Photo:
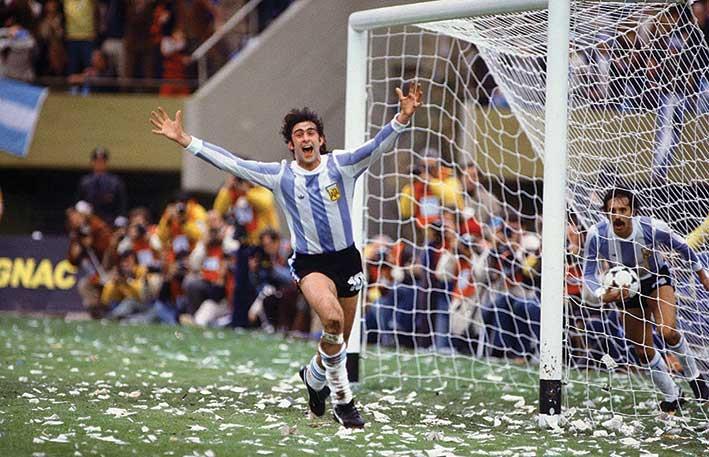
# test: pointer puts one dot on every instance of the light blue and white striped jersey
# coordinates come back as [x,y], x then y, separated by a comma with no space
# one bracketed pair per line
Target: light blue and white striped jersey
[640,251]
[316,202]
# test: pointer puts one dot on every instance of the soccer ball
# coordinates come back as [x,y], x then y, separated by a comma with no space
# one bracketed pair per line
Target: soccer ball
[622,276]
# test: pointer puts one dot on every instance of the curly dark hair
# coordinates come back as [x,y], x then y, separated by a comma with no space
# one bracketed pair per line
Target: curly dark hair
[620,192]
[295,116]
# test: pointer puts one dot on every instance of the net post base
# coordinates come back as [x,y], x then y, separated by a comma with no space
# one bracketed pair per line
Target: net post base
[550,403]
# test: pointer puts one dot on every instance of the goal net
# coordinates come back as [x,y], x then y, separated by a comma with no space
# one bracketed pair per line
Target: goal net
[452,215]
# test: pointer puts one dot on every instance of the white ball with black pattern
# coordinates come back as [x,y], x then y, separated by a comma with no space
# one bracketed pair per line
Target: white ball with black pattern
[620,277]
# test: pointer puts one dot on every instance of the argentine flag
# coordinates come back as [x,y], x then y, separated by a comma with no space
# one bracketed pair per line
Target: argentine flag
[20,105]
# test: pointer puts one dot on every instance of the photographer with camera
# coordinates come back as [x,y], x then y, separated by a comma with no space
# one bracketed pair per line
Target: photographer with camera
[208,263]
[89,241]
[141,238]
[126,292]
[277,304]
[250,208]
[181,226]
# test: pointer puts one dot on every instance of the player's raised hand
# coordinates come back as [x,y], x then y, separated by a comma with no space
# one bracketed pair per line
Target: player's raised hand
[409,102]
[169,128]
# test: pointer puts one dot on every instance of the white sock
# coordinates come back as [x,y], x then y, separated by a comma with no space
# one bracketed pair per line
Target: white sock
[660,375]
[336,374]
[315,374]
[691,371]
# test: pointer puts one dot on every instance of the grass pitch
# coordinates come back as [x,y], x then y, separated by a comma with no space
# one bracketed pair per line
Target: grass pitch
[91,388]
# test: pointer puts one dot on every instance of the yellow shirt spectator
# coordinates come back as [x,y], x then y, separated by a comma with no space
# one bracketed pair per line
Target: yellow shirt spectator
[424,198]
[119,289]
[261,201]
[80,17]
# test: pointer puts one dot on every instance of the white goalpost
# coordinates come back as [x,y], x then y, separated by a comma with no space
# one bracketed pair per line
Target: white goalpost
[472,228]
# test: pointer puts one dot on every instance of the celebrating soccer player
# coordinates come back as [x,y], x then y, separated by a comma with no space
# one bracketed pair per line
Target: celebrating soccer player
[632,240]
[315,192]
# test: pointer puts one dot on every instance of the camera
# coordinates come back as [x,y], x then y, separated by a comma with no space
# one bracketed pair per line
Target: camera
[84,230]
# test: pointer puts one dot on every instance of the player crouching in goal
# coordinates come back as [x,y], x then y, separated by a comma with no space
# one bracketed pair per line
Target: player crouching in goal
[632,240]
[315,191]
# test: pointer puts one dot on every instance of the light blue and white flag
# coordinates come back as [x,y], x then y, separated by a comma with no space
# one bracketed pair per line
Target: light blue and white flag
[20,105]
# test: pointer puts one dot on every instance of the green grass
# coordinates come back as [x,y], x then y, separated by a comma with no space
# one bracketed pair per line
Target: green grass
[89,388]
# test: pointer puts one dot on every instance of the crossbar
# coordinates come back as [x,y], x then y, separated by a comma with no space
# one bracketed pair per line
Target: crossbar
[441,10]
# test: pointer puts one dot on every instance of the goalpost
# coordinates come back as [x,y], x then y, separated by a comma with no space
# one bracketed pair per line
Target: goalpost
[509,87]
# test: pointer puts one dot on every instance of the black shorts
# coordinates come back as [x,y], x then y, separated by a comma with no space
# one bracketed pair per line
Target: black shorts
[647,287]
[343,267]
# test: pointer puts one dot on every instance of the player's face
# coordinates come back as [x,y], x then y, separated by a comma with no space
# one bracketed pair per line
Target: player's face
[620,214]
[305,144]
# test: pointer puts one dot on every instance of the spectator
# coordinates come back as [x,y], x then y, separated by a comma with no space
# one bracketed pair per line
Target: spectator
[17,50]
[271,278]
[120,229]
[201,21]
[52,55]
[163,23]
[126,293]
[430,288]
[82,21]
[392,316]
[181,226]
[431,191]
[139,60]
[173,48]
[208,263]
[142,239]
[103,190]
[89,240]
[458,270]
[112,31]
[90,79]
[479,203]
[250,208]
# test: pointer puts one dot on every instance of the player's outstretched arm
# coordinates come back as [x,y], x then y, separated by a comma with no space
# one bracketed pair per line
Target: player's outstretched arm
[264,174]
[169,128]
[354,162]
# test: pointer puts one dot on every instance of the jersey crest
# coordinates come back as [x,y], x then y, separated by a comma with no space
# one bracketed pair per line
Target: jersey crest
[333,192]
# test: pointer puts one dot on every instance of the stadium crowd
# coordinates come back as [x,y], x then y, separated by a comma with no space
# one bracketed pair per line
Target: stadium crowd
[226,266]
[90,43]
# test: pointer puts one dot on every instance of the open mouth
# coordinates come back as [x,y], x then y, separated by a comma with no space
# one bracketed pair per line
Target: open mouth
[618,223]
[307,149]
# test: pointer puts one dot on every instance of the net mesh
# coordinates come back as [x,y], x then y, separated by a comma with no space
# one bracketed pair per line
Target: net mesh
[453,214]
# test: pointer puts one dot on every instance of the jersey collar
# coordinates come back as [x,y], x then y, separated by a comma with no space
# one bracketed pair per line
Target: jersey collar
[302,171]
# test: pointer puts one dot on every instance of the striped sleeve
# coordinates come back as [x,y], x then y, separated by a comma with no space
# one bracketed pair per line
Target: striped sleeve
[265,174]
[590,264]
[354,163]
[664,235]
